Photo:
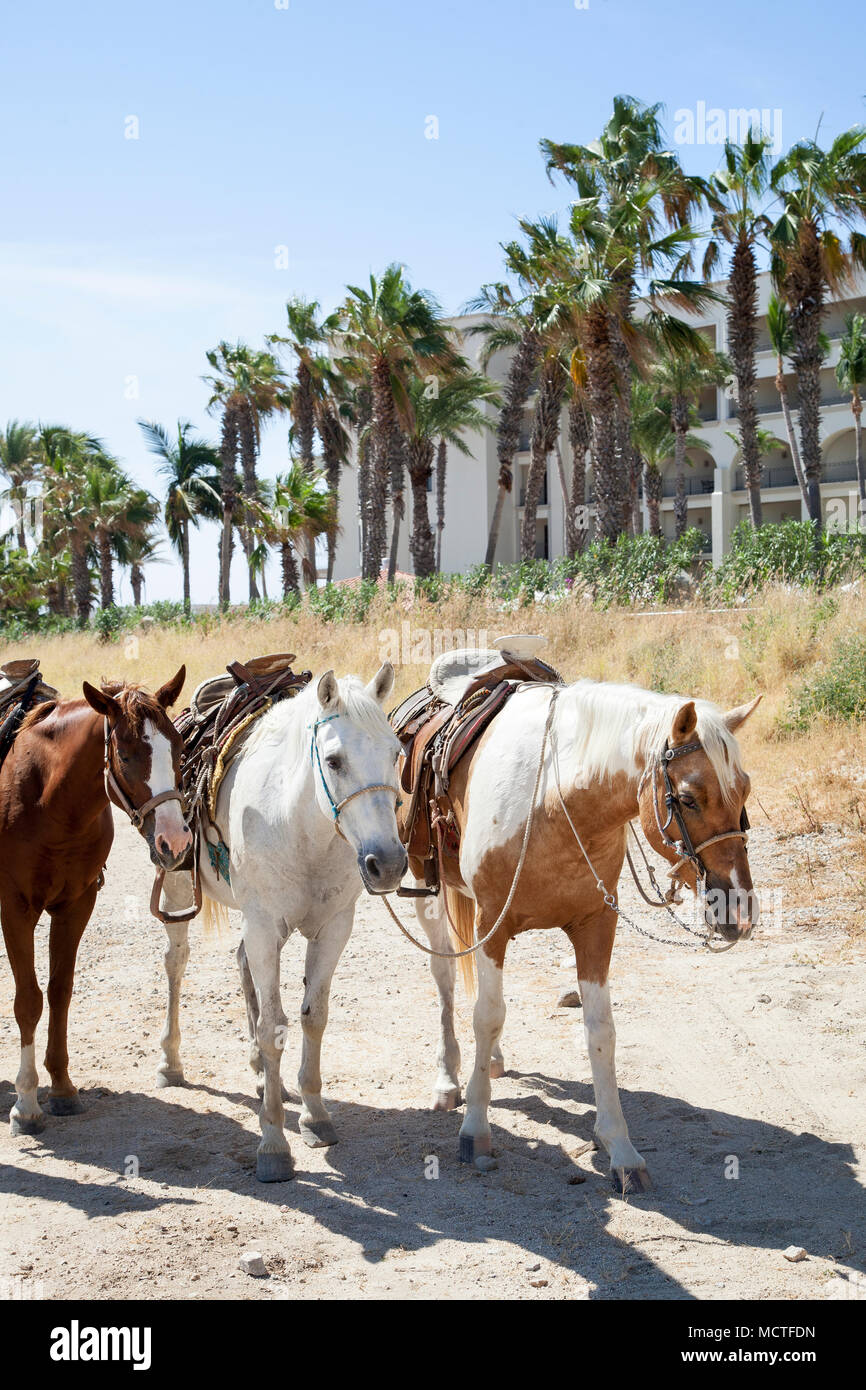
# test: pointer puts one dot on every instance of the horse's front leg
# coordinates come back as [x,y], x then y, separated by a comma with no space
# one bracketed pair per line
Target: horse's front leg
[252,1007]
[67,928]
[488,1018]
[170,1070]
[263,942]
[26,1116]
[431,916]
[592,946]
[321,960]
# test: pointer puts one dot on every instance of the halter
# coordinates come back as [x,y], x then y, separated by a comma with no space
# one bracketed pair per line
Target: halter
[137,814]
[337,806]
[688,852]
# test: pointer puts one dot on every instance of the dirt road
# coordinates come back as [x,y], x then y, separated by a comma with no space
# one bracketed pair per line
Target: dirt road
[752,1063]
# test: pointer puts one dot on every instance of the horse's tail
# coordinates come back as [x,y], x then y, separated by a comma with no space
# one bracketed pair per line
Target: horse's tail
[214,918]
[460,912]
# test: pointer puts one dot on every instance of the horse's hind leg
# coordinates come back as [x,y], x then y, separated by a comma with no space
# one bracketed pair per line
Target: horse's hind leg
[592,947]
[26,1116]
[323,952]
[446,1088]
[488,1018]
[170,1070]
[67,928]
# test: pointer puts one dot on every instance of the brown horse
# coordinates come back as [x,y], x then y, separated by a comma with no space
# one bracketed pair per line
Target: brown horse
[543,803]
[68,760]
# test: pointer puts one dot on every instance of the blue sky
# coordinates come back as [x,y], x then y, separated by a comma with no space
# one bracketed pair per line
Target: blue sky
[303,127]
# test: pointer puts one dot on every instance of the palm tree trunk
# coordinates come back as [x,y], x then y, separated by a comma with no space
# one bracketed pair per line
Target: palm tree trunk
[652,483]
[80,575]
[742,337]
[545,432]
[304,421]
[791,432]
[857,411]
[136,579]
[520,375]
[228,464]
[441,465]
[579,439]
[106,569]
[382,434]
[680,421]
[420,470]
[804,291]
[601,384]
[184,560]
[289,565]
[398,501]
[249,446]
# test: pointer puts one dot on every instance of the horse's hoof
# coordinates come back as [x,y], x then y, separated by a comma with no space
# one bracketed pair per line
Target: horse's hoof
[497,1068]
[447,1100]
[627,1182]
[170,1077]
[486,1163]
[276,1167]
[317,1134]
[21,1124]
[64,1105]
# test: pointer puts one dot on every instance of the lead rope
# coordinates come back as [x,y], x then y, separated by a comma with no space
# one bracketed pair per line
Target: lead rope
[470,950]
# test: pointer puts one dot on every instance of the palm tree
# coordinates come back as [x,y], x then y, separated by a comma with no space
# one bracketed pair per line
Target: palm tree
[820,191]
[68,521]
[678,380]
[580,441]
[302,510]
[737,191]
[782,343]
[118,510]
[143,549]
[19,460]
[247,386]
[444,415]
[388,332]
[851,376]
[305,336]
[191,469]
[441,467]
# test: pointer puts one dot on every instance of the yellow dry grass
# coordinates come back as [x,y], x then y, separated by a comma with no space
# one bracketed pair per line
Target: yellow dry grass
[802,782]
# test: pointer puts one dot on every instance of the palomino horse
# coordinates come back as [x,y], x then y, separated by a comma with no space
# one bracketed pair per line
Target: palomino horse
[306,811]
[69,758]
[589,763]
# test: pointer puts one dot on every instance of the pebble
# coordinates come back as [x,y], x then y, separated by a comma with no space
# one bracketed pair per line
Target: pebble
[794,1253]
[251,1263]
[538,1283]
[764,999]
[569,999]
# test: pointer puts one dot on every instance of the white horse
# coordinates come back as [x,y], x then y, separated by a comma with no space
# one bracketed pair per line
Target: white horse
[307,811]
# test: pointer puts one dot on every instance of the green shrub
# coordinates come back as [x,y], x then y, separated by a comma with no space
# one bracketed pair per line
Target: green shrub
[837,690]
[786,552]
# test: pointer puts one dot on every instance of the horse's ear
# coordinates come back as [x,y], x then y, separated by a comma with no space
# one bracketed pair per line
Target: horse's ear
[684,725]
[382,684]
[168,693]
[103,703]
[328,692]
[735,717]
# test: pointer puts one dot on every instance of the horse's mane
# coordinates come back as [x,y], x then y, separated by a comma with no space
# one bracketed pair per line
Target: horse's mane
[619,727]
[137,704]
[288,722]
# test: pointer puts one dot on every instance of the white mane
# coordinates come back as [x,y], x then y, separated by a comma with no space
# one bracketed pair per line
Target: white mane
[289,724]
[617,728]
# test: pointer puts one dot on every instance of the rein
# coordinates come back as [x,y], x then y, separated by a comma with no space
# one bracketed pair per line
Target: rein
[337,806]
[137,814]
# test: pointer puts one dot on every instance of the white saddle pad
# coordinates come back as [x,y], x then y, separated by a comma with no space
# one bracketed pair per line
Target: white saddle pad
[452,673]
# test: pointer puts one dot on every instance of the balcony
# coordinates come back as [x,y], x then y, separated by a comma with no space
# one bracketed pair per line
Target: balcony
[695,487]
[784,475]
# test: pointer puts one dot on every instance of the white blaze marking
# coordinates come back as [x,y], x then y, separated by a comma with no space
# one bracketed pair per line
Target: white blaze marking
[168,819]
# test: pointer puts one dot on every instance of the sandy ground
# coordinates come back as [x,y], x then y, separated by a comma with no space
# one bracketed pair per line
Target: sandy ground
[756,1055]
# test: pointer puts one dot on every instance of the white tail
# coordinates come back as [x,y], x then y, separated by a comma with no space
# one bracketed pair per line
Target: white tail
[214,918]
[461,911]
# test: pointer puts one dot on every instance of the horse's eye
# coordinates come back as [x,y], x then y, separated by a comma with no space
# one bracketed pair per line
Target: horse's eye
[334,762]
[689,803]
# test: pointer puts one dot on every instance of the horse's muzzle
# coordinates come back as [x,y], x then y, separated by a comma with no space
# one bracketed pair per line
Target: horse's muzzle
[383,871]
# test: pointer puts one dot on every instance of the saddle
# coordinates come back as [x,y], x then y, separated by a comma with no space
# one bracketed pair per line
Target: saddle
[21,688]
[437,734]
[219,718]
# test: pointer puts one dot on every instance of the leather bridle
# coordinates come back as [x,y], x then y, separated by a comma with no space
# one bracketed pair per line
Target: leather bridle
[116,793]
[688,852]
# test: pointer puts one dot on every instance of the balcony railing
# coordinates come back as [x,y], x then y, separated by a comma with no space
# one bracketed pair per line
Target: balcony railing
[784,476]
[695,487]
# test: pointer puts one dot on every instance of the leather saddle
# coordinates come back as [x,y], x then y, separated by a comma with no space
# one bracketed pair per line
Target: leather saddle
[21,689]
[435,736]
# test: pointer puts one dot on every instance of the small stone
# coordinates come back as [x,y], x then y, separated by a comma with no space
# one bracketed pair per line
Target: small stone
[252,1263]
[532,1268]
[764,999]
[576,1178]
[538,1283]
[794,1253]
[569,999]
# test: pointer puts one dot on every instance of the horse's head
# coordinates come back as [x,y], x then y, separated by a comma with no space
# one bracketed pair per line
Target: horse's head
[354,752]
[692,800]
[142,762]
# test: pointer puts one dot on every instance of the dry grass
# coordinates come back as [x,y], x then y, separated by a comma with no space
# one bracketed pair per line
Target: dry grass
[802,782]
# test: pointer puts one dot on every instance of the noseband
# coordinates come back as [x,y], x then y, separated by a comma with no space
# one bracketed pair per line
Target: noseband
[337,806]
[115,792]
[688,852]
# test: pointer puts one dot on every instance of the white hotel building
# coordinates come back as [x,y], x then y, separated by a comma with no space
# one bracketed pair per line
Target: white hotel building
[717,499]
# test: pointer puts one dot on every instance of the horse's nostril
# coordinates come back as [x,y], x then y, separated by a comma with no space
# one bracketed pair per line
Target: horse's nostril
[371,864]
